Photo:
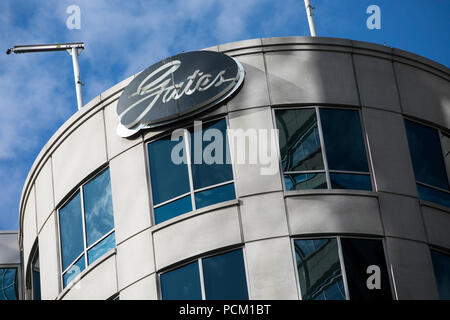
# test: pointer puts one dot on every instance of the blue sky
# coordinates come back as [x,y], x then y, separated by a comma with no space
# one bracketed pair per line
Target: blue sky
[123,37]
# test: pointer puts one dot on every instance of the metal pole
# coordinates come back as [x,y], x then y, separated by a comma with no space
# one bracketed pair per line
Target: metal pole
[312,26]
[76,74]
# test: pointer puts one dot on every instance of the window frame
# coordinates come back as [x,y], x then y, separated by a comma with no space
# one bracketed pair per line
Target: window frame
[440,132]
[341,260]
[326,169]
[70,197]
[199,260]
[191,193]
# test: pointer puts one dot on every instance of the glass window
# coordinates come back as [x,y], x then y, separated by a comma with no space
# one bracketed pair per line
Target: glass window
[350,181]
[339,162]
[36,277]
[427,158]
[320,273]
[214,195]
[98,207]
[8,284]
[302,181]
[182,283]
[224,277]
[441,266]
[319,269]
[86,225]
[343,139]
[206,179]
[299,140]
[170,179]
[219,277]
[204,174]
[71,231]
[365,267]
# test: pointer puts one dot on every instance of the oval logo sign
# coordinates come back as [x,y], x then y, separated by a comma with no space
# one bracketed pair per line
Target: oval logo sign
[175,87]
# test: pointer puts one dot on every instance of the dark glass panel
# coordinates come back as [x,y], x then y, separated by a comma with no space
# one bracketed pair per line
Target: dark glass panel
[169,180]
[441,266]
[343,140]
[299,140]
[8,284]
[304,181]
[350,181]
[224,277]
[358,255]
[173,209]
[101,248]
[71,231]
[182,283]
[319,269]
[214,195]
[433,195]
[36,277]
[426,155]
[98,208]
[217,169]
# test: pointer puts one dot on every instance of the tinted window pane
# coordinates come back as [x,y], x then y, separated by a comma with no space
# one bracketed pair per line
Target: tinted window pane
[304,181]
[101,248]
[343,139]
[98,208]
[71,230]
[214,195]
[426,155]
[169,180]
[362,283]
[36,276]
[319,269]
[441,266]
[8,284]
[350,181]
[173,209]
[433,195]
[299,140]
[210,164]
[224,277]
[182,283]
[74,271]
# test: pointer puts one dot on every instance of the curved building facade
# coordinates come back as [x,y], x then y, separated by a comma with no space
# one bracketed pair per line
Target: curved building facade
[345,196]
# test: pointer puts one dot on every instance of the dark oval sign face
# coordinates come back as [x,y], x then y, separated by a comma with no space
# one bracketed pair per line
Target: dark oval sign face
[175,87]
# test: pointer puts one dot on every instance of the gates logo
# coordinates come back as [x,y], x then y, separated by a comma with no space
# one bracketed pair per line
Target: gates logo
[173,88]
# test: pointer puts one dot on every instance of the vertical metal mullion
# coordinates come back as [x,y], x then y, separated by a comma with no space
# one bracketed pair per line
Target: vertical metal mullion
[231,153]
[202,282]
[324,151]
[189,164]
[441,138]
[342,264]
[366,148]
[84,226]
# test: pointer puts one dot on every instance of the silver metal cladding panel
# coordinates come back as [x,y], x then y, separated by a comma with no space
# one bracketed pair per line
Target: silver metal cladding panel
[311,77]
[332,213]
[376,82]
